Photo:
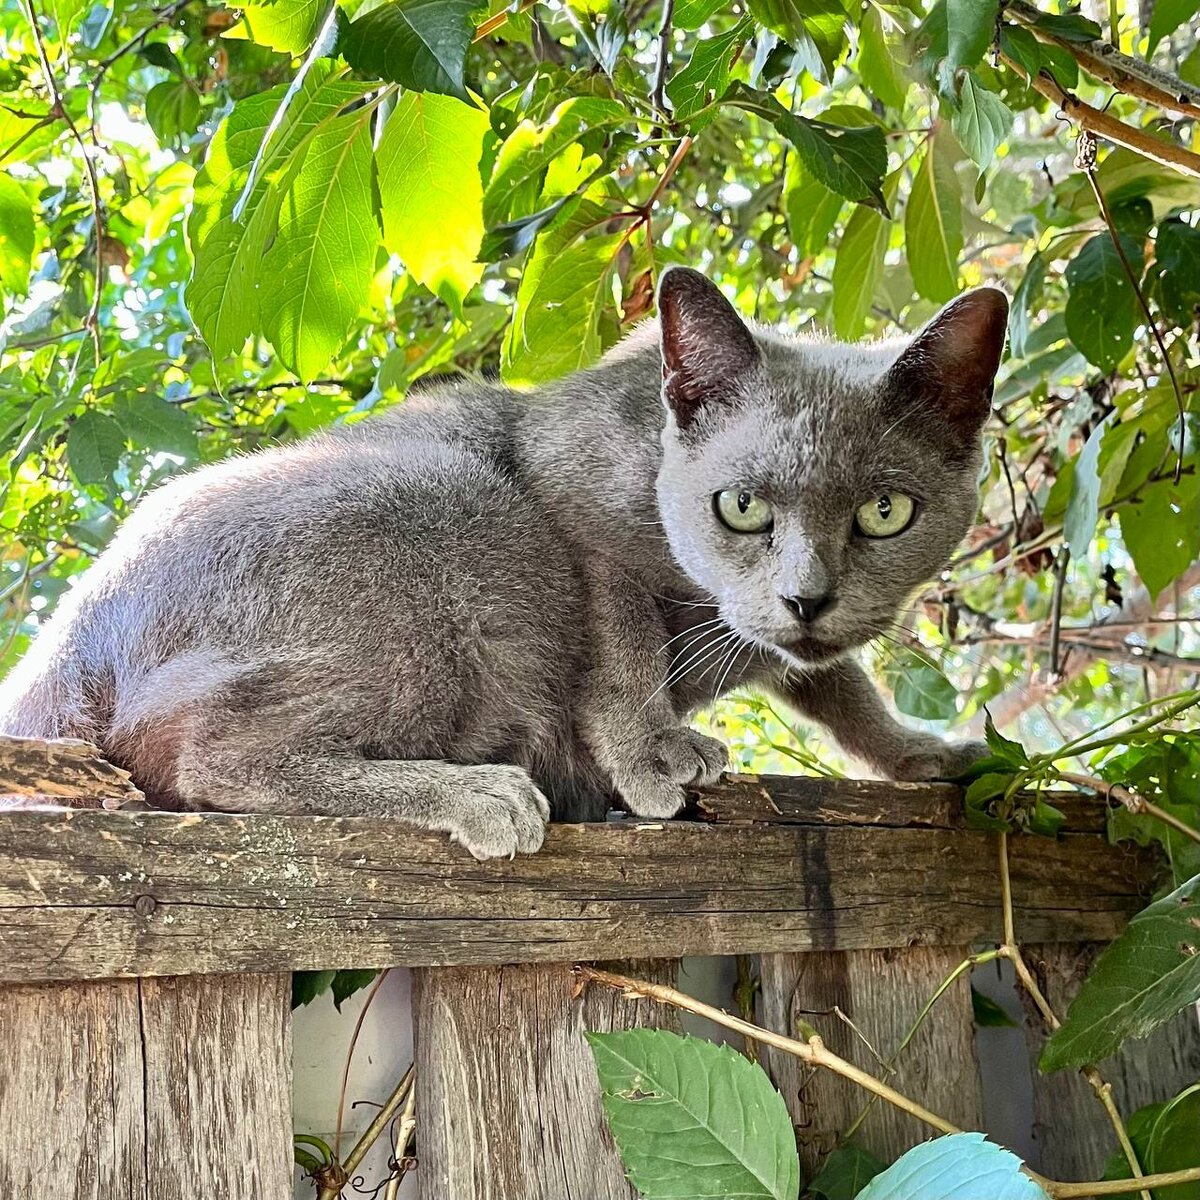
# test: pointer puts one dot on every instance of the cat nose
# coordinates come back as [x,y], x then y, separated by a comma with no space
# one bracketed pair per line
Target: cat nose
[808,608]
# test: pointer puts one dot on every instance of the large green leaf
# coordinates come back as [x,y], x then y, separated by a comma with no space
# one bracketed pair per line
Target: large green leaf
[921,690]
[566,282]
[1150,973]
[17,235]
[1177,270]
[981,120]
[431,193]
[1161,530]
[694,1120]
[531,148]
[963,1166]
[1167,16]
[691,14]
[1102,308]
[1083,507]
[705,76]
[819,24]
[288,26]
[849,161]
[845,1173]
[172,110]
[811,208]
[151,423]
[933,236]
[879,63]
[857,269]
[421,44]
[321,262]
[94,447]
[970,27]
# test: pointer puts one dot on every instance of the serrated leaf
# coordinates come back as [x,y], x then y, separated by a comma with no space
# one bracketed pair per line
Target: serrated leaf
[1102,309]
[933,236]
[1150,973]
[970,27]
[1083,507]
[345,983]
[308,985]
[153,424]
[18,235]
[288,26]
[845,1173]
[921,690]
[691,14]
[857,270]
[963,1166]
[705,75]
[981,121]
[556,324]
[1161,530]
[430,191]
[95,444]
[1001,747]
[879,62]
[321,262]
[421,44]
[531,148]
[693,1119]
[848,160]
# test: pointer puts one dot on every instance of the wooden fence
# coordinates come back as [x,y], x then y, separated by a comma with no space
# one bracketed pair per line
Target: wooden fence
[145,1031]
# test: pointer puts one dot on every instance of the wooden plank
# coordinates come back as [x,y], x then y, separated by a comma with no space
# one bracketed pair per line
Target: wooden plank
[1073,1137]
[71,1099]
[62,769]
[88,894]
[170,1089]
[506,1088]
[218,1059]
[881,992]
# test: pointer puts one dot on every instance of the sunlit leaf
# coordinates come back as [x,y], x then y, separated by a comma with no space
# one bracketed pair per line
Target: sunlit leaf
[963,1166]
[933,236]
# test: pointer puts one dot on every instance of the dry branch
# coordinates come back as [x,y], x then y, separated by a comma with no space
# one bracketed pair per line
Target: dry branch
[59,770]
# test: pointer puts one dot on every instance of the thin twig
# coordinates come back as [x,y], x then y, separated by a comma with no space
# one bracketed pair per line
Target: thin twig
[500,19]
[658,95]
[1131,800]
[1056,605]
[358,1024]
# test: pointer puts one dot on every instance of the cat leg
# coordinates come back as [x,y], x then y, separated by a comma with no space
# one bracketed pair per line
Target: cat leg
[844,700]
[491,810]
[627,718]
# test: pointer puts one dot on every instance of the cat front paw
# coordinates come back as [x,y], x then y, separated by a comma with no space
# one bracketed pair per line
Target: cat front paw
[654,784]
[504,814]
[927,757]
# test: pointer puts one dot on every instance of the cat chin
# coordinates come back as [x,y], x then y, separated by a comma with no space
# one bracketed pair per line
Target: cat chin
[810,652]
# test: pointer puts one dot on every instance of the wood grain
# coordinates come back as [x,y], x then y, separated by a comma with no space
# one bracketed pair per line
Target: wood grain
[1073,1136]
[508,1103]
[62,771]
[94,895]
[171,1089]
[881,992]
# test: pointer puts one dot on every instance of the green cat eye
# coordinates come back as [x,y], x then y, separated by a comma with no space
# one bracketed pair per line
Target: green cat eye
[885,516]
[742,511]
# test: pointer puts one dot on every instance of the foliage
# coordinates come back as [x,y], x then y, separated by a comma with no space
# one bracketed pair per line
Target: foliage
[962,1166]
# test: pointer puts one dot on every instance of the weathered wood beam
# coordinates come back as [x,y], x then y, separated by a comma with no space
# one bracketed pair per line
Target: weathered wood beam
[91,894]
[58,770]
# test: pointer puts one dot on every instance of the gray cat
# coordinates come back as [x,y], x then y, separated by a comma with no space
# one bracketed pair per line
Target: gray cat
[482,607]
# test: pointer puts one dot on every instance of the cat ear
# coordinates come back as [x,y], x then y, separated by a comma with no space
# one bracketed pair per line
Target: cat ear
[953,361]
[706,346]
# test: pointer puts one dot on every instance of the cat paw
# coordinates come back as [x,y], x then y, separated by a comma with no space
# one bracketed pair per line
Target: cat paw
[675,759]
[931,758]
[505,813]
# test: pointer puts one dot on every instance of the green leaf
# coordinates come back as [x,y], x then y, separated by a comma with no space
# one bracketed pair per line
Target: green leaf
[1083,507]
[151,423]
[1005,749]
[1161,530]
[1102,309]
[430,191]
[1070,26]
[879,62]
[857,269]
[962,1166]
[933,235]
[1174,1143]
[979,796]
[988,1014]
[691,14]
[705,76]
[849,161]
[556,324]
[981,121]
[811,208]
[172,111]
[970,27]
[18,236]
[1028,295]
[531,148]
[308,985]
[819,24]
[323,256]
[921,690]
[65,14]
[1167,16]
[345,983]
[1032,56]
[693,1119]
[421,44]
[95,444]
[1150,973]
[845,1173]
[288,26]
[1177,270]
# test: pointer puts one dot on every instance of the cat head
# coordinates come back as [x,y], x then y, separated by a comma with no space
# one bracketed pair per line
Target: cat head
[810,487]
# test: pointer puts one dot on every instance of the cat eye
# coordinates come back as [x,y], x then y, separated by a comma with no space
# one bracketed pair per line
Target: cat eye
[742,511]
[885,516]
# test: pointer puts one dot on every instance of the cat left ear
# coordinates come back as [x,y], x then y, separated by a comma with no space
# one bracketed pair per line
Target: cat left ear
[953,361]
[706,346]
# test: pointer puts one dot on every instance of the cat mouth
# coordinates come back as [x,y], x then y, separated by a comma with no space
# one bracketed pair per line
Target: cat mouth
[810,649]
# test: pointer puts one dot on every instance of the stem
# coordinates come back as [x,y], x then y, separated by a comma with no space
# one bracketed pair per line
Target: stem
[358,1024]
[371,1134]
[1131,800]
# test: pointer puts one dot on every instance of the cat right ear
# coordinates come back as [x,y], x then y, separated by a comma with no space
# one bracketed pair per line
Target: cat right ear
[706,347]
